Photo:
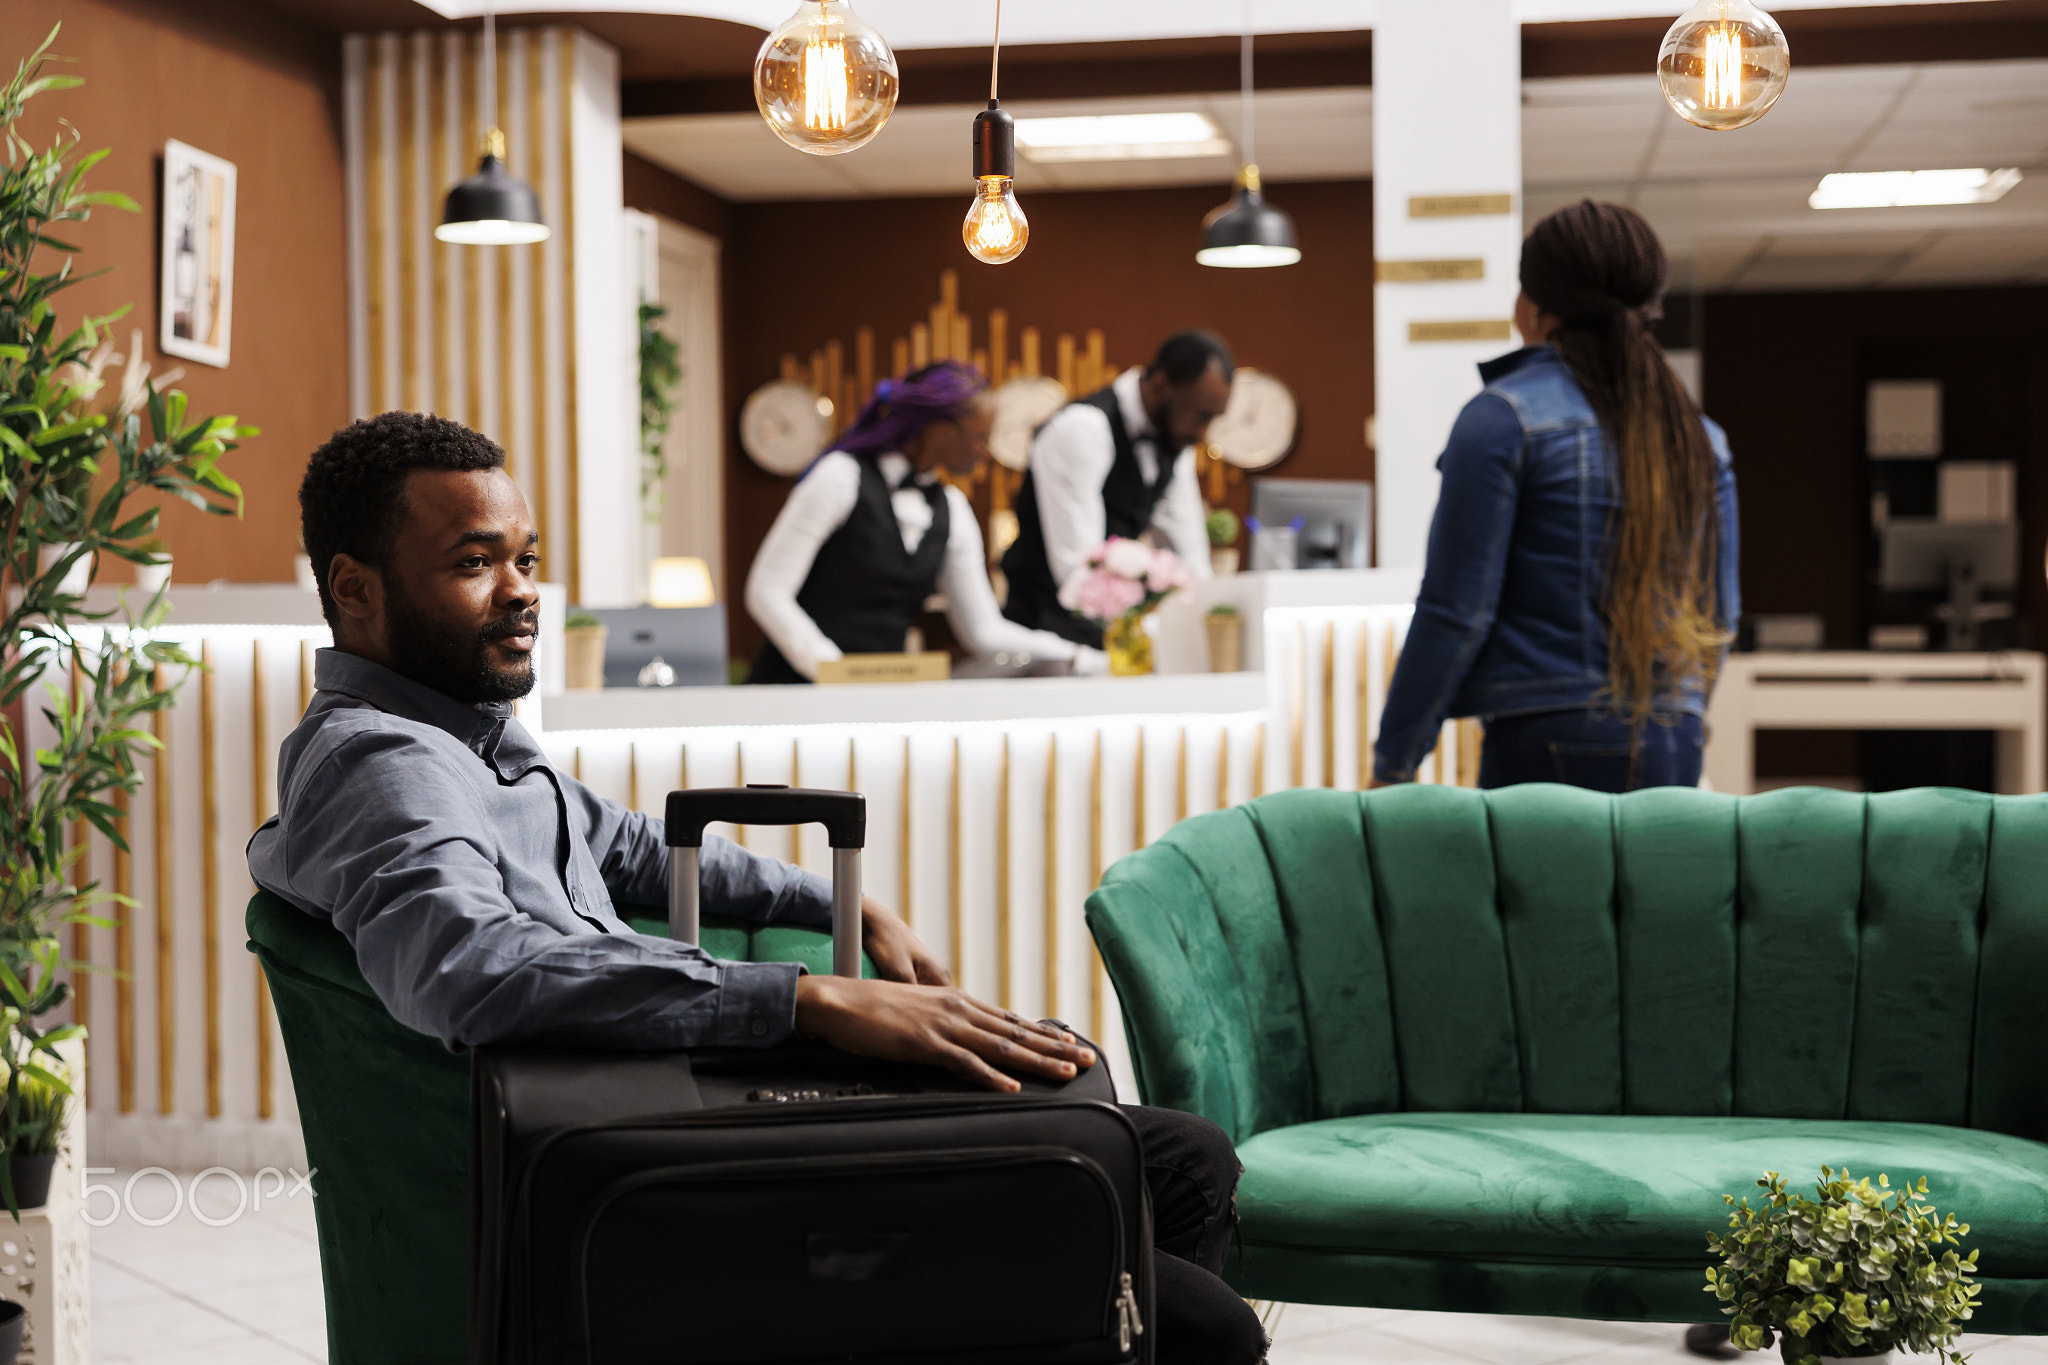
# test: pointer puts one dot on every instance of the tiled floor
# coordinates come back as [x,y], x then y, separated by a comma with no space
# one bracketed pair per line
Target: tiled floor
[248,1293]
[186,1293]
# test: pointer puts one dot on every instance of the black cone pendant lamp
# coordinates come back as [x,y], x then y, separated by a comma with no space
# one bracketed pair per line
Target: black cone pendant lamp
[492,207]
[1247,232]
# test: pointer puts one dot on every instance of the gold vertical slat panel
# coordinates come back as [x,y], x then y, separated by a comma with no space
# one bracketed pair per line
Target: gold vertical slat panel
[440,143]
[1094,881]
[1223,769]
[1363,701]
[404,149]
[209,873]
[957,872]
[1329,703]
[124,961]
[163,908]
[1180,777]
[1138,839]
[376,137]
[260,796]
[1052,874]
[1297,679]
[1003,877]
[903,839]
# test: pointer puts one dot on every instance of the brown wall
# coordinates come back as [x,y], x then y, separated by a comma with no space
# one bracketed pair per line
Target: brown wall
[800,274]
[236,80]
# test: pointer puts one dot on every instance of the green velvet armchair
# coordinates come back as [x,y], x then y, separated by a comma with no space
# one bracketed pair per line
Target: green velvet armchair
[386,1117]
[1505,1051]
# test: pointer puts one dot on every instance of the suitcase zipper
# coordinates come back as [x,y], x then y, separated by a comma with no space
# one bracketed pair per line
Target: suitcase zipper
[1128,1323]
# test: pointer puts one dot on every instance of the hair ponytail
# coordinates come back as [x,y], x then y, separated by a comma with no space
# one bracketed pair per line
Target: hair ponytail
[1601,271]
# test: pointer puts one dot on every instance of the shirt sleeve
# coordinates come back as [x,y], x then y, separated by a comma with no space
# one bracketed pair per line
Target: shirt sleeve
[1070,460]
[819,505]
[1461,582]
[403,856]
[971,603]
[1180,518]
[1730,549]
[631,851]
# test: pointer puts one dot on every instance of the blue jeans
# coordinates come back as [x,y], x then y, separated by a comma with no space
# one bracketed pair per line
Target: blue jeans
[1584,748]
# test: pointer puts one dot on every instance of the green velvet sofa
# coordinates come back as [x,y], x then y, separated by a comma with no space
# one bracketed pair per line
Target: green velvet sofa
[386,1117]
[1504,1051]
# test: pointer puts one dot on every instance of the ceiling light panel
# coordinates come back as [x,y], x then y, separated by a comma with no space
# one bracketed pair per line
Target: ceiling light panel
[1121,137]
[1905,189]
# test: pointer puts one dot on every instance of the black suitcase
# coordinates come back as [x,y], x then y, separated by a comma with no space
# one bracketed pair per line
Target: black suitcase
[797,1204]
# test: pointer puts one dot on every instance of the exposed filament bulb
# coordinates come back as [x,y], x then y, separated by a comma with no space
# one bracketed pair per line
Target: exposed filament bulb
[996,230]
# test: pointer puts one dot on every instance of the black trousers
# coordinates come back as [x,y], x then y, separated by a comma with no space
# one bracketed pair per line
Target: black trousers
[1191,1169]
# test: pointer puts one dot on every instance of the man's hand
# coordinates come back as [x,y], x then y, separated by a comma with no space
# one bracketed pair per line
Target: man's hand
[935,1025]
[899,954]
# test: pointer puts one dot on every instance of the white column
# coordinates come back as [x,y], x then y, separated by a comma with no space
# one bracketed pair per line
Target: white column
[607,341]
[1447,125]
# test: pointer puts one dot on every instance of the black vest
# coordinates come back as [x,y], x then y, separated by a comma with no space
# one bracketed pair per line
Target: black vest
[1127,506]
[864,589]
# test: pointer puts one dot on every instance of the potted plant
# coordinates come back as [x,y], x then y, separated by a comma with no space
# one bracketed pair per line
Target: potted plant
[42,1108]
[1851,1275]
[1226,638]
[1125,580]
[72,471]
[583,637]
[1223,527]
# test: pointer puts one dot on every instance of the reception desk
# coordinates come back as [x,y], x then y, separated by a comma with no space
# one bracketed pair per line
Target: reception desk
[993,806]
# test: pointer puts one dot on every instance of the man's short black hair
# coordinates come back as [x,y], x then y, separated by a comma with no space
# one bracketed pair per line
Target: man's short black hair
[352,498]
[1185,356]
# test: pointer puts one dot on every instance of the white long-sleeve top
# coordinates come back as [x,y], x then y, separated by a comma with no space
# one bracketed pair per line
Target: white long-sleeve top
[1071,457]
[820,505]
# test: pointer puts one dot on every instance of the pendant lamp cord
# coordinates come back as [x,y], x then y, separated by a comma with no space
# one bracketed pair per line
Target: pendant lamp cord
[489,91]
[1244,71]
[995,56]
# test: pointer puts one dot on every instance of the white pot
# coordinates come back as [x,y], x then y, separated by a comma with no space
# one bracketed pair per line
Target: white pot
[149,578]
[78,577]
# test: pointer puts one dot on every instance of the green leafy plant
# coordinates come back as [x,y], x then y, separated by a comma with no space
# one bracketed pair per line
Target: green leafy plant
[1223,609]
[69,470]
[661,370]
[42,1109]
[1856,1272]
[1223,527]
[580,620]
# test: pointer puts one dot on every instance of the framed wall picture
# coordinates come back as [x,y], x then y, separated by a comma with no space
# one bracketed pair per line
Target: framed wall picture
[198,272]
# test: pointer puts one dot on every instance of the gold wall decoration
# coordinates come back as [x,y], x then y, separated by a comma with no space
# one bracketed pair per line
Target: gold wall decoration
[1473,329]
[1460,205]
[1428,272]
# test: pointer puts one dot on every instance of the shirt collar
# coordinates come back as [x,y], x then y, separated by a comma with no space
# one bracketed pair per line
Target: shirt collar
[1137,421]
[1501,366]
[487,729]
[896,472]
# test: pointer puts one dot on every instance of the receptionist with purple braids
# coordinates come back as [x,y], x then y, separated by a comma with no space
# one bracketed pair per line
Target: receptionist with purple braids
[869,533]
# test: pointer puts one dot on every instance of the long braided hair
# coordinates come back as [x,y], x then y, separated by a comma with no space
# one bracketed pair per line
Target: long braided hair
[1601,271]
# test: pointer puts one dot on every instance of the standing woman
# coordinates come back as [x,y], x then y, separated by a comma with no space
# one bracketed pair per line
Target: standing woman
[1580,590]
[869,533]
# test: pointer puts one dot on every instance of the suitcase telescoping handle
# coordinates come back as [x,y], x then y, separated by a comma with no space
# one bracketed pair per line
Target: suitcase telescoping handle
[843,814]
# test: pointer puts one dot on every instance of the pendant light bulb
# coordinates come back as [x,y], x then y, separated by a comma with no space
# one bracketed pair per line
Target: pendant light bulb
[1723,64]
[825,81]
[996,230]
[1247,233]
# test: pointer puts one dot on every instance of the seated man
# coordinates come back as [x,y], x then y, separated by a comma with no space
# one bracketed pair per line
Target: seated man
[477,884]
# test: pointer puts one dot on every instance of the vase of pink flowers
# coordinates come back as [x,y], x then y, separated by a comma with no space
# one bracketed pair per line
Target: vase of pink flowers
[1124,580]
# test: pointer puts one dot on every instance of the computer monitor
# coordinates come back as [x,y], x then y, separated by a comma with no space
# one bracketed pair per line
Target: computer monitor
[1918,555]
[691,640]
[1335,516]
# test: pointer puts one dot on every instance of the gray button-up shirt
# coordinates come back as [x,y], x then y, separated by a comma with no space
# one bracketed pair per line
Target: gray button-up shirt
[477,883]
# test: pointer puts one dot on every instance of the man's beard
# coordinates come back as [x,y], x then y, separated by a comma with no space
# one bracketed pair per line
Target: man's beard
[449,661]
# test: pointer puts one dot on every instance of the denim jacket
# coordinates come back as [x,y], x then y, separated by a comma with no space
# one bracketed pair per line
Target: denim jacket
[1509,618]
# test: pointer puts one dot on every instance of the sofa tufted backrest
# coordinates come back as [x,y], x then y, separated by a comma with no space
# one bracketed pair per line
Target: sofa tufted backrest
[1804,954]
